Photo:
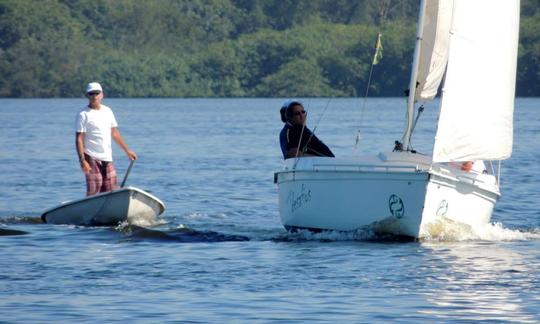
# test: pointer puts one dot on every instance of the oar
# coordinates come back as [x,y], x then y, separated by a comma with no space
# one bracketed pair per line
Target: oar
[127,173]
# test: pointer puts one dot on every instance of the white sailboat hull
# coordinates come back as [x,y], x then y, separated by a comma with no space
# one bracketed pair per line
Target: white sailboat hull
[404,196]
[111,208]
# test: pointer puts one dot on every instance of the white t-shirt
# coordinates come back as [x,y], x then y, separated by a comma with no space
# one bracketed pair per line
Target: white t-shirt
[96,124]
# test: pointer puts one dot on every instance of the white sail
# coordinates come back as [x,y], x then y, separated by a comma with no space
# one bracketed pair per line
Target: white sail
[434,52]
[476,119]
[430,56]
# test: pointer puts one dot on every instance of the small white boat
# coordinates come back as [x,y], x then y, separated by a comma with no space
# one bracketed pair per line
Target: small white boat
[407,193]
[108,209]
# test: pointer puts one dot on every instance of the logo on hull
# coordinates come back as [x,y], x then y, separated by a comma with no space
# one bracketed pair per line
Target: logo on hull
[443,208]
[297,201]
[397,208]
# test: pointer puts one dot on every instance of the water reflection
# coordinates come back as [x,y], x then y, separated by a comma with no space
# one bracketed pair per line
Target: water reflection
[482,281]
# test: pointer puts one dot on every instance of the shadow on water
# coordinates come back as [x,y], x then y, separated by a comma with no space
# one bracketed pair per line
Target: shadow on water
[8,232]
[181,235]
[338,236]
[132,232]
[4,231]
[21,220]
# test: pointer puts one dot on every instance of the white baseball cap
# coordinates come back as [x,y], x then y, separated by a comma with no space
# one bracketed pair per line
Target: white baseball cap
[93,86]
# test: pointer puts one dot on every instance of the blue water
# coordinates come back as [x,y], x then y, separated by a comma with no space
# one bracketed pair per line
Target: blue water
[221,253]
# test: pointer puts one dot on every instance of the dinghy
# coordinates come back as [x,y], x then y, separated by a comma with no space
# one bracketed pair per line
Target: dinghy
[472,44]
[129,204]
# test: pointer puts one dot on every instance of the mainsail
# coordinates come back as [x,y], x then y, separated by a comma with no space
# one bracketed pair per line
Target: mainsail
[476,118]
[434,48]
[430,56]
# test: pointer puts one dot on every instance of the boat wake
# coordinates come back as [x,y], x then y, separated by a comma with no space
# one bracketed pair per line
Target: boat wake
[447,230]
[147,222]
[443,230]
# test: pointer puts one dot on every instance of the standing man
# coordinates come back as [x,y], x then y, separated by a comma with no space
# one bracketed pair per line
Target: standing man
[94,128]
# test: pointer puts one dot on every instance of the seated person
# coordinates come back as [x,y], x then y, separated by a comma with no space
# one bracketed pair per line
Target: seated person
[476,166]
[295,138]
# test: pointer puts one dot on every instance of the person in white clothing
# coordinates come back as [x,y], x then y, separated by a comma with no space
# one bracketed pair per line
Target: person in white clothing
[95,126]
[477,166]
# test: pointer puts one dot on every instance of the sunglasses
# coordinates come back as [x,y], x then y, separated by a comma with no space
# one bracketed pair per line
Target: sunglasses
[301,112]
[93,93]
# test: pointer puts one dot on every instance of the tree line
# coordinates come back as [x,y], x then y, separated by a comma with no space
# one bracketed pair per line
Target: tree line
[220,48]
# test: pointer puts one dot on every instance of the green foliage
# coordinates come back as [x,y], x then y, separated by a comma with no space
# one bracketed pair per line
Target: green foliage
[225,48]
[528,78]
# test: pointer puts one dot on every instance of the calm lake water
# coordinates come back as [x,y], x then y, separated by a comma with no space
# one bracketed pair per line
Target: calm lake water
[221,253]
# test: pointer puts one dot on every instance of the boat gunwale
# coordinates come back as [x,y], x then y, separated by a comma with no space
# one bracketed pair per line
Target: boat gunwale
[412,169]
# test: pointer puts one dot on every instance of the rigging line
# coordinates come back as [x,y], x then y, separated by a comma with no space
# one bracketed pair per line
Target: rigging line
[304,148]
[420,111]
[318,122]
[377,55]
[324,111]
[362,110]
[499,172]
[300,140]
[493,170]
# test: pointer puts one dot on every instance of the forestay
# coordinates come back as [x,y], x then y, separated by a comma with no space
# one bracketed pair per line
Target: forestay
[476,120]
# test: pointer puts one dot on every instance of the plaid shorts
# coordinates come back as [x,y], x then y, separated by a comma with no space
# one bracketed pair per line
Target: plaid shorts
[102,177]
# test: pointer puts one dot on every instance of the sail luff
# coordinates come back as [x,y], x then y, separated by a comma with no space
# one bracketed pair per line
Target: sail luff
[414,73]
[434,53]
[476,117]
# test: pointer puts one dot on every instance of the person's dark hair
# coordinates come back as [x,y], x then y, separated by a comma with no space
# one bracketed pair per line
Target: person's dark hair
[289,111]
[282,113]
[286,112]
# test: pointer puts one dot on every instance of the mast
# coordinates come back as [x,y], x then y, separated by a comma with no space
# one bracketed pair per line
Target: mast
[406,139]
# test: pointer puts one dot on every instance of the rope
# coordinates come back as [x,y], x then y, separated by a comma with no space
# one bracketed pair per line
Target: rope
[304,149]
[317,124]
[362,110]
[383,11]
[300,140]
[420,111]
[499,173]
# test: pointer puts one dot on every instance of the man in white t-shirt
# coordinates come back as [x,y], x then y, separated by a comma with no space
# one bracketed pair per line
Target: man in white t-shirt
[95,126]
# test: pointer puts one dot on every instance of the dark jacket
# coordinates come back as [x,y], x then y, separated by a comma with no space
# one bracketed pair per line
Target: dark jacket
[310,144]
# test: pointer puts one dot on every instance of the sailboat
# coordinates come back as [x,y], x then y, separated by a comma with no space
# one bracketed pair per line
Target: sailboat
[472,46]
